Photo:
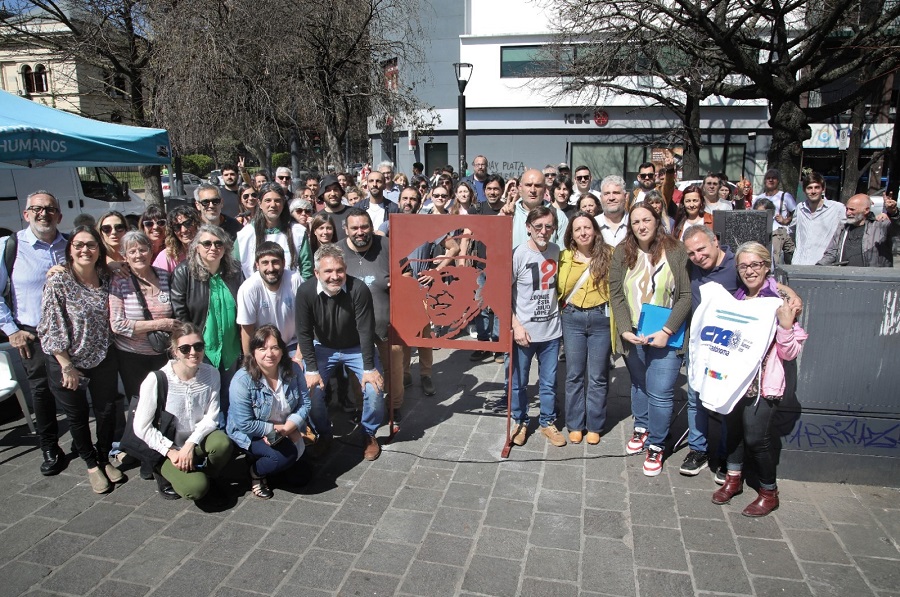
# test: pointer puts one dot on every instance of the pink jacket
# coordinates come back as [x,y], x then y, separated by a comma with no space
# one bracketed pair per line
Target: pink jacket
[786,347]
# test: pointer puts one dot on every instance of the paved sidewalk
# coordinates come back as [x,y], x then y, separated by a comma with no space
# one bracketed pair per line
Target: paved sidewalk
[439,514]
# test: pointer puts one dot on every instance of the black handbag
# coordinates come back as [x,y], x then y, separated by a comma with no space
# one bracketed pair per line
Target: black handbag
[159,340]
[134,446]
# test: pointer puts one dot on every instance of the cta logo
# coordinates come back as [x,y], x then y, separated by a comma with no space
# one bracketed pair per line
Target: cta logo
[726,339]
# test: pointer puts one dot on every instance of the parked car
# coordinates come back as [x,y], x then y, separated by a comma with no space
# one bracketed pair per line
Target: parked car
[190,181]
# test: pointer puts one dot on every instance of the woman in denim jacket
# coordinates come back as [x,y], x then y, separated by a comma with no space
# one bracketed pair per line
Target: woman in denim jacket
[269,408]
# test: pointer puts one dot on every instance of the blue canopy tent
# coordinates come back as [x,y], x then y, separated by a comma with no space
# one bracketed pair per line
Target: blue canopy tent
[36,136]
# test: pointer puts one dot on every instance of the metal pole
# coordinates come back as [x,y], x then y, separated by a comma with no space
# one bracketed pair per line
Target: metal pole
[461,111]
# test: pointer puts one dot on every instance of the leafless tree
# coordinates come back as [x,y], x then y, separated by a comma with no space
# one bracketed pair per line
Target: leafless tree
[786,52]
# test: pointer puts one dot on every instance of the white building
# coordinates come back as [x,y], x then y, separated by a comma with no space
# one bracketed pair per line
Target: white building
[516,124]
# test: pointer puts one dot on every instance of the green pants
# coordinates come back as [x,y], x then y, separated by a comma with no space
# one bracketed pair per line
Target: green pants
[216,448]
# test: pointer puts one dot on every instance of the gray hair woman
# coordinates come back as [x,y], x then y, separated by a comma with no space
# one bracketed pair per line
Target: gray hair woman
[130,290]
[204,292]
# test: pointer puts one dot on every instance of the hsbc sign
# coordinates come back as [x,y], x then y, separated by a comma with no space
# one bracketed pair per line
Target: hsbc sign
[598,117]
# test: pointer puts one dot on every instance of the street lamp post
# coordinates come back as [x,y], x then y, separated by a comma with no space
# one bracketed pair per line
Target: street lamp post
[463,74]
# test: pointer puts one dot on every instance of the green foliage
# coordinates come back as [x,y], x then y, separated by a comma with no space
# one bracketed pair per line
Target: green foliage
[197,163]
[280,159]
[227,150]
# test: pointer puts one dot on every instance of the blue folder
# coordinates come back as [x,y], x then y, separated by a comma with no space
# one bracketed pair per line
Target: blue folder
[653,319]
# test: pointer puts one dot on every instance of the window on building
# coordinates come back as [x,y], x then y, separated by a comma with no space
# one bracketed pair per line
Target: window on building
[533,61]
[35,80]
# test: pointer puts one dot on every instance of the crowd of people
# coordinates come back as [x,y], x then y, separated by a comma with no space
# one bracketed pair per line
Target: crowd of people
[227,318]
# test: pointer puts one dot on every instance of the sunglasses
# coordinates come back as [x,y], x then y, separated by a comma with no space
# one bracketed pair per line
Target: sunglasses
[107,228]
[304,210]
[208,202]
[152,223]
[283,177]
[187,224]
[436,196]
[248,195]
[585,177]
[646,176]
[185,349]
[206,244]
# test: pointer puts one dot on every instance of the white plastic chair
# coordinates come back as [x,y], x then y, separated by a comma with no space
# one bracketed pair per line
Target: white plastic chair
[9,386]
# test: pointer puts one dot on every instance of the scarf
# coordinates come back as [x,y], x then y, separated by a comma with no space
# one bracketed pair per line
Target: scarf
[220,334]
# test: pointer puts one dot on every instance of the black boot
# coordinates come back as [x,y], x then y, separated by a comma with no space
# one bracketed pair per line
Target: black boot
[165,488]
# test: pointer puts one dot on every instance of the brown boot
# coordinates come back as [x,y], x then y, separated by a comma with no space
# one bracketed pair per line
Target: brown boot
[765,503]
[372,449]
[734,485]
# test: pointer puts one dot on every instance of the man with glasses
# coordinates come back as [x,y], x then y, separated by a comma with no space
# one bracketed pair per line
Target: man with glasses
[711,185]
[478,177]
[36,249]
[550,175]
[209,204]
[283,177]
[229,191]
[646,181]
[582,181]
[535,322]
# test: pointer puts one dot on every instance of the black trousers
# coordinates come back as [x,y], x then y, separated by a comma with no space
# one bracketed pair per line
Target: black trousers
[104,388]
[42,399]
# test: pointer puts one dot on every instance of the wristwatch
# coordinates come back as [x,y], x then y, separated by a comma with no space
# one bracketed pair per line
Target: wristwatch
[68,368]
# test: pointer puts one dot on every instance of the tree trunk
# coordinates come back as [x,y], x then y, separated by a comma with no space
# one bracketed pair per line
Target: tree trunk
[152,186]
[789,129]
[295,152]
[851,157]
[690,164]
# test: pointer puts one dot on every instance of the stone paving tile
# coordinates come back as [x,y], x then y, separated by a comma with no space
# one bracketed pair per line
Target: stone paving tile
[556,530]
[660,509]
[516,485]
[502,543]
[20,537]
[761,528]
[607,566]
[769,558]
[800,515]
[418,499]
[711,536]
[402,525]
[344,536]
[551,564]
[835,581]
[445,549]
[509,514]
[15,509]
[290,537]
[429,579]
[533,587]
[455,521]
[262,571]
[18,576]
[881,573]
[368,583]
[697,503]
[428,478]
[79,575]
[56,549]
[230,543]
[98,519]
[605,523]
[115,588]
[379,482]
[670,584]
[661,549]
[719,572]
[866,541]
[153,561]
[817,546]
[778,586]
[605,495]
[321,569]
[559,502]
[493,576]
[193,578]
[362,508]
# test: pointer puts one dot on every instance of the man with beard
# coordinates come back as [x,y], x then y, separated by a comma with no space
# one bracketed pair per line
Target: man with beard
[375,204]
[535,323]
[864,240]
[613,221]
[479,177]
[267,297]
[32,252]
[229,191]
[332,193]
[273,222]
[369,261]
[582,182]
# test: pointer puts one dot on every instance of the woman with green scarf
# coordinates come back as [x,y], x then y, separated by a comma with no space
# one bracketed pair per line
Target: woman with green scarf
[204,292]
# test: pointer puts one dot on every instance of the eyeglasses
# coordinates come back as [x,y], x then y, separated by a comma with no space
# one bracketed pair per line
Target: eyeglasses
[152,223]
[208,202]
[436,196]
[186,224]
[550,174]
[90,246]
[304,210]
[248,195]
[585,177]
[647,176]
[283,177]
[42,209]
[107,228]
[185,349]
[754,265]
[540,227]
[207,244]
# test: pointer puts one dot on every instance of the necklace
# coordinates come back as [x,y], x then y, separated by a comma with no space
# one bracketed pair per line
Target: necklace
[362,255]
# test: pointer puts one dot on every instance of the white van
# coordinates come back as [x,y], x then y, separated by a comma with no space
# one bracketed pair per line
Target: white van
[92,190]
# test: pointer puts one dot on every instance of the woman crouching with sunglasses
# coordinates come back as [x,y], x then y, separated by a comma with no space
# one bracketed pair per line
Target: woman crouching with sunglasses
[194,447]
[269,406]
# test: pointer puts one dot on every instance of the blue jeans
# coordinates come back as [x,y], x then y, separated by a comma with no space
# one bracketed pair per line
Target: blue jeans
[653,372]
[547,354]
[373,400]
[271,460]
[587,337]
[487,325]
[697,417]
